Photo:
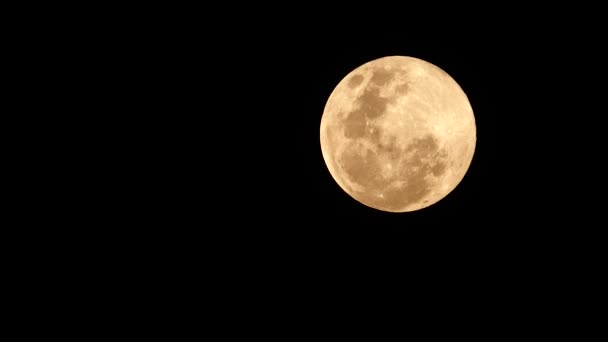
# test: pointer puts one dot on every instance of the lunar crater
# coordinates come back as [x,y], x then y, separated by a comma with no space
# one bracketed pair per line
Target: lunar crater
[355,81]
[381,77]
[409,182]
[402,88]
[371,103]
[355,124]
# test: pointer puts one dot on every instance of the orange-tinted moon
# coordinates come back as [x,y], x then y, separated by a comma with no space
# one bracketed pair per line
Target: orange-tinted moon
[398,134]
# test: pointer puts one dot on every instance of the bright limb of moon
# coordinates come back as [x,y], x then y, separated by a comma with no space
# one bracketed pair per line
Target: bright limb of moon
[398,134]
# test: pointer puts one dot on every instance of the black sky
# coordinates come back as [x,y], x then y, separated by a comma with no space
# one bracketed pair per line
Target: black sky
[244,149]
[298,79]
[198,169]
[209,171]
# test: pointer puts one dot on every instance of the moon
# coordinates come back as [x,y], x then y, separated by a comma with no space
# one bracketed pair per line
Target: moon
[398,134]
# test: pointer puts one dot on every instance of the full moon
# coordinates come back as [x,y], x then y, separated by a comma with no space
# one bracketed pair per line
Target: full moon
[398,134]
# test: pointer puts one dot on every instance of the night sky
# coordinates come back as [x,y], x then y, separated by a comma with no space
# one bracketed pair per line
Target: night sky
[517,99]
[193,175]
[247,158]
[297,91]
[215,177]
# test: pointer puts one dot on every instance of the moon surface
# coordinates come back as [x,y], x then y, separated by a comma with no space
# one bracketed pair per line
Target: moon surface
[398,134]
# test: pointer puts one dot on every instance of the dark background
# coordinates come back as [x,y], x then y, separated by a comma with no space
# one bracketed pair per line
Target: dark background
[256,195]
[279,107]
[190,159]
[244,111]
[251,186]
[215,131]
[528,95]
[208,134]
[245,134]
